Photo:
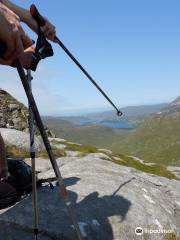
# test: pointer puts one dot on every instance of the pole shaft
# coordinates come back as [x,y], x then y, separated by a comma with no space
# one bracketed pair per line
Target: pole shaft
[86,74]
[48,148]
[33,156]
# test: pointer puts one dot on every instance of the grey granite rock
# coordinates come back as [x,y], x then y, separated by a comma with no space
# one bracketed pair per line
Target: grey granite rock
[19,139]
[110,202]
[174,170]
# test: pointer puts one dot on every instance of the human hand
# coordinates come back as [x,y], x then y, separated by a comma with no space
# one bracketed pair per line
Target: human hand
[48,29]
[12,35]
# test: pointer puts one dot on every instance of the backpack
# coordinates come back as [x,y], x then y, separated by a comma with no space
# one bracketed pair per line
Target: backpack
[20,176]
[19,182]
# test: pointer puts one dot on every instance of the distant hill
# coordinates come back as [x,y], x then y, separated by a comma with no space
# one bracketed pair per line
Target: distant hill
[92,134]
[129,112]
[132,116]
[173,107]
[157,139]
[87,129]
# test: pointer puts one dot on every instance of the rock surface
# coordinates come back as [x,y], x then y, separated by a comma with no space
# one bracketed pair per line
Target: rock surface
[14,115]
[174,170]
[110,202]
[20,139]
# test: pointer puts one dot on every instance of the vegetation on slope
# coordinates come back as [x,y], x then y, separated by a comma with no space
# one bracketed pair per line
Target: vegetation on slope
[157,140]
[99,136]
[13,151]
[77,147]
[155,169]
[120,159]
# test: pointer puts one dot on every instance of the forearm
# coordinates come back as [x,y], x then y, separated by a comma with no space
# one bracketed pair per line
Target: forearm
[23,14]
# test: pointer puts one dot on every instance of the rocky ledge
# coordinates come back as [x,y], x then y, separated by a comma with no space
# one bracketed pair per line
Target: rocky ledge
[14,115]
[110,202]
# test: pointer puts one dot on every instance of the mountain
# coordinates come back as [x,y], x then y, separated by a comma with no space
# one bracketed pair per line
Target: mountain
[91,134]
[101,129]
[129,112]
[172,108]
[132,117]
[13,114]
[157,139]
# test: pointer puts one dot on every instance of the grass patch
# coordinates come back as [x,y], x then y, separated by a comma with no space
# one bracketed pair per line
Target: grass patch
[158,170]
[59,152]
[171,236]
[84,149]
[58,142]
[13,151]
[81,148]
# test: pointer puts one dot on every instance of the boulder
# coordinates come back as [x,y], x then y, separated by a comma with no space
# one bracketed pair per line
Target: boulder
[20,139]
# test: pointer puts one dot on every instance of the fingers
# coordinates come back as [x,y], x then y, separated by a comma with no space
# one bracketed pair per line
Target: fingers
[16,45]
[49,30]
[27,57]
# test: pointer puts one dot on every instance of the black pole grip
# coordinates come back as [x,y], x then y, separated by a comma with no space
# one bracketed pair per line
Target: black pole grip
[37,16]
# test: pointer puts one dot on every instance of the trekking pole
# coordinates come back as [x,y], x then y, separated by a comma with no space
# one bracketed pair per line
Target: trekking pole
[44,136]
[40,20]
[33,155]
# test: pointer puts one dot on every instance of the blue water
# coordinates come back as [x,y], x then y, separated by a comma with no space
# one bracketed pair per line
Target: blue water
[109,124]
[117,124]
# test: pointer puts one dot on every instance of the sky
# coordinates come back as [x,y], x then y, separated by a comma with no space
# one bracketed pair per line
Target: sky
[131,48]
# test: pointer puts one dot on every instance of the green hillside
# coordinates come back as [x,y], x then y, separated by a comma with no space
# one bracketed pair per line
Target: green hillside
[99,136]
[157,140]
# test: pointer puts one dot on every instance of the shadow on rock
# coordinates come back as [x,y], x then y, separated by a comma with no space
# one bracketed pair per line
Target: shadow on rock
[96,214]
[71,181]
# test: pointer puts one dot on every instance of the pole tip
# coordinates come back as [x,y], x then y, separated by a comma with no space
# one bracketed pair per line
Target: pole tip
[119,113]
